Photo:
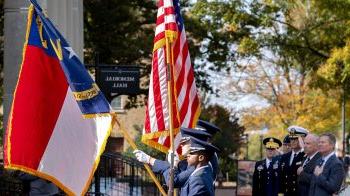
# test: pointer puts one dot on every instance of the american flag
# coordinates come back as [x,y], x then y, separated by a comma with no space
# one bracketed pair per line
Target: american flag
[185,100]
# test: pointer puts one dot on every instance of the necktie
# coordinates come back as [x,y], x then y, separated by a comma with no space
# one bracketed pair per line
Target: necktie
[321,163]
[292,158]
[306,161]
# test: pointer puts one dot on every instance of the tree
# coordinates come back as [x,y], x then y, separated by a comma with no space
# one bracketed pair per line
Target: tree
[114,30]
[335,72]
[287,100]
[228,140]
[121,32]
[296,46]
[299,34]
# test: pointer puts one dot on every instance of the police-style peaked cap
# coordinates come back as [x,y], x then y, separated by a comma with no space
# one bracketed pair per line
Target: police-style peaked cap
[271,142]
[286,139]
[207,127]
[187,133]
[295,131]
[200,145]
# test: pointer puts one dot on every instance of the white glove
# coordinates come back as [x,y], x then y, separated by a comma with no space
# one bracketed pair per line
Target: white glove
[142,156]
[176,157]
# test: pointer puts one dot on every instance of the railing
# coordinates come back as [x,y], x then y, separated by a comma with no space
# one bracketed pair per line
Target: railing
[10,186]
[117,175]
[120,175]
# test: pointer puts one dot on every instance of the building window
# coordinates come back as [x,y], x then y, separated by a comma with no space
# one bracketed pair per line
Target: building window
[117,103]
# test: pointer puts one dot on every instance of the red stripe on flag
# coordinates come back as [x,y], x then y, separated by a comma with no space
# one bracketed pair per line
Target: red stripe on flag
[176,49]
[160,3]
[40,94]
[169,11]
[157,94]
[167,141]
[190,78]
[147,120]
[160,19]
[159,36]
[194,107]
[180,80]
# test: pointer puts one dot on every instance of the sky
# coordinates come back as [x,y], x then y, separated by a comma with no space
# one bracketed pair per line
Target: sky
[226,99]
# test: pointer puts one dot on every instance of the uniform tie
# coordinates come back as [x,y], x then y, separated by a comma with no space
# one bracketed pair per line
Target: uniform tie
[268,164]
[321,163]
[292,158]
[306,161]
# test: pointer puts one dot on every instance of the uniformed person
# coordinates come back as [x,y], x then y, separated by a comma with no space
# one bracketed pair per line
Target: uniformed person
[291,161]
[266,171]
[286,145]
[204,131]
[212,130]
[201,179]
[208,128]
[183,170]
[160,166]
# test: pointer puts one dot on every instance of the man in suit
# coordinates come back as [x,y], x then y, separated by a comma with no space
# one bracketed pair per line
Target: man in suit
[329,173]
[265,174]
[305,172]
[290,162]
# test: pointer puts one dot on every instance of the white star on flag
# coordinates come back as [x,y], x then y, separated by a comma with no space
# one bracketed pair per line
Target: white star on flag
[71,52]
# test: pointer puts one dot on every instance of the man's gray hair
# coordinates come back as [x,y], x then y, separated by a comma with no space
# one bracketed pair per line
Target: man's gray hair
[314,137]
[331,138]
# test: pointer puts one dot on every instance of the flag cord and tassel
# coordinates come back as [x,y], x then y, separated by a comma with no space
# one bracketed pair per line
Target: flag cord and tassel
[169,78]
[134,147]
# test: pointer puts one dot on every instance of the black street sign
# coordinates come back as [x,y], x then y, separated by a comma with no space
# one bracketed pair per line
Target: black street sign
[119,79]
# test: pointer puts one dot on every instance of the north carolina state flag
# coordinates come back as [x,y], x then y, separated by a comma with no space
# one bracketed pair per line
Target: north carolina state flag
[59,120]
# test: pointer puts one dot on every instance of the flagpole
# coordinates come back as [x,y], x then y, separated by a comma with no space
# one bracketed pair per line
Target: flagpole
[134,147]
[171,126]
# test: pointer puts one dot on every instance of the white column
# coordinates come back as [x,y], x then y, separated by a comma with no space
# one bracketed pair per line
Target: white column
[67,15]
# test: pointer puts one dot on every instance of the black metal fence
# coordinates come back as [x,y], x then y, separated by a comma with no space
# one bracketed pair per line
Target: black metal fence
[10,186]
[116,175]
[120,175]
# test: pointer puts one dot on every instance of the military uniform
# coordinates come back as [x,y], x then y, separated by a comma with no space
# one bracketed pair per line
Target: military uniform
[288,173]
[204,131]
[183,171]
[289,164]
[200,182]
[265,177]
[212,130]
